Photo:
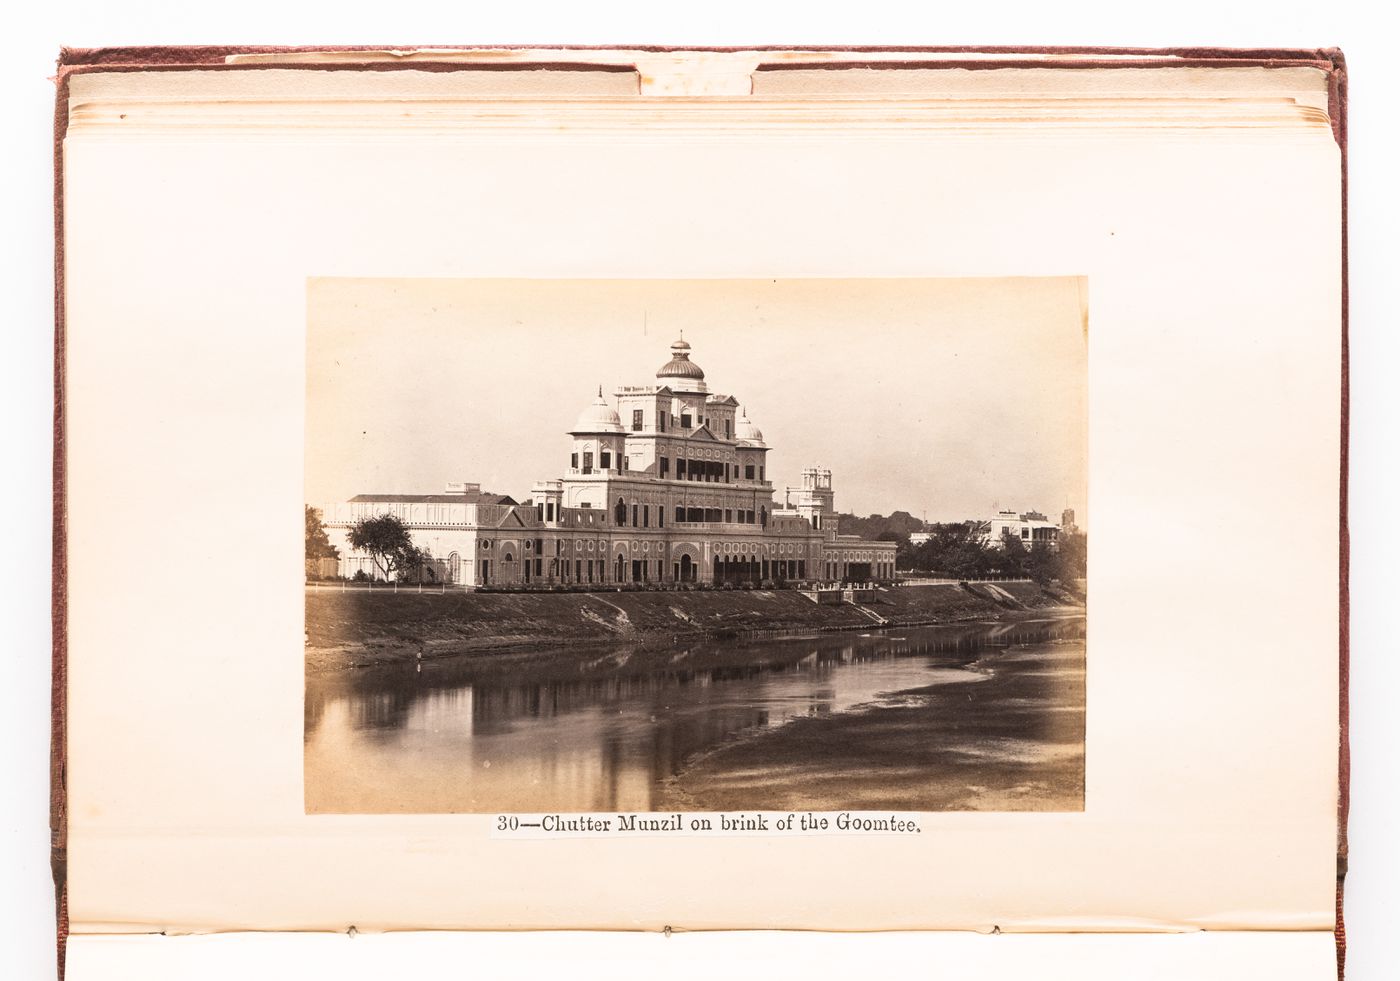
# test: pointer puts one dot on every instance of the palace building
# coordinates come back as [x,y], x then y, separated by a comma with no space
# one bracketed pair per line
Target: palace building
[667,485]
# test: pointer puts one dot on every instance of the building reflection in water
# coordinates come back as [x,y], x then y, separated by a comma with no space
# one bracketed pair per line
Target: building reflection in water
[603,734]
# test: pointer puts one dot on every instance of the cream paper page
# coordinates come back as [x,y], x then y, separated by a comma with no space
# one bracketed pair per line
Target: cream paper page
[1305,956]
[1211,259]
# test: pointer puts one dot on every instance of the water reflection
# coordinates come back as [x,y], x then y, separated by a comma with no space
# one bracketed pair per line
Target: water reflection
[553,731]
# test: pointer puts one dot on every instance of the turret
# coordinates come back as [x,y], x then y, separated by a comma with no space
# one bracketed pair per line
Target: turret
[598,439]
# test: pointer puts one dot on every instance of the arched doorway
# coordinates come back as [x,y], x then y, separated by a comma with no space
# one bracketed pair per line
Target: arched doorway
[617,577]
[687,569]
[454,568]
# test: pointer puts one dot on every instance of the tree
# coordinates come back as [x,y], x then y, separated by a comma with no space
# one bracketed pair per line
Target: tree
[1013,557]
[900,525]
[388,543]
[318,545]
[1043,563]
[1073,556]
[954,549]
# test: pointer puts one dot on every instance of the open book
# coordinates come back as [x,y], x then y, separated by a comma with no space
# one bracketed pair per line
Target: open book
[822,490]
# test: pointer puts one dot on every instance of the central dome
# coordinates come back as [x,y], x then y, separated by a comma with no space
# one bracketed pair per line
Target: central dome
[680,365]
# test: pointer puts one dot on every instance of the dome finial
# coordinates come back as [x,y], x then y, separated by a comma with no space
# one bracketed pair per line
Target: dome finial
[600,391]
[680,372]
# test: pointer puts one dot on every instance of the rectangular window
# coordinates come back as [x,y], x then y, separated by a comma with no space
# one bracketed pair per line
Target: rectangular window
[728,515]
[573,461]
[661,418]
[685,420]
[636,420]
[665,466]
[695,514]
[680,468]
[634,515]
[588,461]
[748,471]
[605,460]
[726,428]
[661,516]
[646,516]
[680,513]
[624,464]
[537,567]
[760,473]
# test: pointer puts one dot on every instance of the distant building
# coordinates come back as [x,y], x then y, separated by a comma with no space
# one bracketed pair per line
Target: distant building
[918,538]
[1031,527]
[1067,525]
[668,486]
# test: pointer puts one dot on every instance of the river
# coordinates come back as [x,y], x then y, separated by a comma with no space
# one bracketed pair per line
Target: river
[616,729]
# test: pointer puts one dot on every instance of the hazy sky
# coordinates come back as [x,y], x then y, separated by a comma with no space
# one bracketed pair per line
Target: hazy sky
[951,396]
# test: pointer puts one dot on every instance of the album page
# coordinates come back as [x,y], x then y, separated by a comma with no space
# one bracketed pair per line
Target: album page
[499,508]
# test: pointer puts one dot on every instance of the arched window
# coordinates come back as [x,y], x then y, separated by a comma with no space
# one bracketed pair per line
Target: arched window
[620,512]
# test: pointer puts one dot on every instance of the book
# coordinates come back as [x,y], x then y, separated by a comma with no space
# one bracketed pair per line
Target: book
[708,462]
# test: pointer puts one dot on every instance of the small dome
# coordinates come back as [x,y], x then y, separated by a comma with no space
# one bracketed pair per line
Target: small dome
[745,431]
[680,365]
[598,418]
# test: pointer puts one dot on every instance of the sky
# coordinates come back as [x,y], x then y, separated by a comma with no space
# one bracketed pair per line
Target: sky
[944,397]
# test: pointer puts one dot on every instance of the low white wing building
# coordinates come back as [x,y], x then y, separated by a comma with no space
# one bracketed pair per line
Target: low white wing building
[1031,527]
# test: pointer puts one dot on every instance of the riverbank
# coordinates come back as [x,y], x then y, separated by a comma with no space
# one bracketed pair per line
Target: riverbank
[360,628]
[1008,737]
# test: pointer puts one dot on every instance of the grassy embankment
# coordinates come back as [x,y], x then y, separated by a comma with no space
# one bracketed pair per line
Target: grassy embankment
[362,627]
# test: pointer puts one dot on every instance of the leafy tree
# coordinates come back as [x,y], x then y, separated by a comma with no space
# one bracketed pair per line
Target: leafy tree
[1013,558]
[318,545]
[419,569]
[1073,556]
[898,526]
[954,549]
[388,543]
[1042,563]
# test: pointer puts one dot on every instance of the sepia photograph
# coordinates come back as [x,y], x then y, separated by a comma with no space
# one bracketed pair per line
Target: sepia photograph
[703,545]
